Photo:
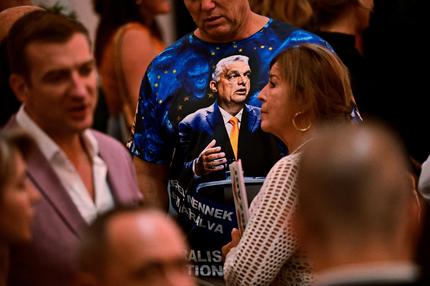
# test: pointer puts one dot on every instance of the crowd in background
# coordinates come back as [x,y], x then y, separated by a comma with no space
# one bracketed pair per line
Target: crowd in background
[322,101]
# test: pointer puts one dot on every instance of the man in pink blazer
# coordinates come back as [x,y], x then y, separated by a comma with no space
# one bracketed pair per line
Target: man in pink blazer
[79,172]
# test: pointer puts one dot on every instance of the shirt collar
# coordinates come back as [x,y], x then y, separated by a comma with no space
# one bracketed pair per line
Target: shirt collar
[226,116]
[47,146]
[91,143]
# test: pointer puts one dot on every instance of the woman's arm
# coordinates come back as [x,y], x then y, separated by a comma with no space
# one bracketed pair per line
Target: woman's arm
[268,241]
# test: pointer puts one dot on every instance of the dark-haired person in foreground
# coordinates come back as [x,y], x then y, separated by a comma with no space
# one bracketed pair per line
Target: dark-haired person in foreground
[17,196]
[133,246]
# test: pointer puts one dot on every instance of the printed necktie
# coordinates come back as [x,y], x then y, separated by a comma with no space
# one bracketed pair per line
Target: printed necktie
[234,134]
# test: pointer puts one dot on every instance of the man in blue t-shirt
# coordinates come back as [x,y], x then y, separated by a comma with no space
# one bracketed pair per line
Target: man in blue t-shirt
[177,83]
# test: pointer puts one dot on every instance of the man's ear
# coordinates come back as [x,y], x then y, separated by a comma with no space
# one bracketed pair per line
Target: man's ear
[212,86]
[19,86]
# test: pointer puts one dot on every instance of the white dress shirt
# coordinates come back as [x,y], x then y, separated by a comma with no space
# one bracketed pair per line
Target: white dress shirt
[67,173]
[226,117]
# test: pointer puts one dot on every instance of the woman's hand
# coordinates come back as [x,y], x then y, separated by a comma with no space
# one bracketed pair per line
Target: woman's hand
[235,238]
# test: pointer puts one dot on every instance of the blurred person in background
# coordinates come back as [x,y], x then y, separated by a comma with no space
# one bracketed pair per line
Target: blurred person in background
[357,217]
[5,4]
[127,39]
[131,247]
[295,12]
[341,23]
[399,89]
[17,196]
[9,104]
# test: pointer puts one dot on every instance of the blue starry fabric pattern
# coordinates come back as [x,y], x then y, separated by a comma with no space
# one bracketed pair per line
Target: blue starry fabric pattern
[177,84]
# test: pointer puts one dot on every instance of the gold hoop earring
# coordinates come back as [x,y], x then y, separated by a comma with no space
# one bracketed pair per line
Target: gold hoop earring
[295,125]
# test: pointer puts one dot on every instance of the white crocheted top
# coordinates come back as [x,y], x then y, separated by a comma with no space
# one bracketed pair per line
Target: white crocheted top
[267,253]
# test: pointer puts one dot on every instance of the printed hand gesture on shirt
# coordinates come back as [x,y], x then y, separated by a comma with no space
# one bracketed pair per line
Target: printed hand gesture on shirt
[211,159]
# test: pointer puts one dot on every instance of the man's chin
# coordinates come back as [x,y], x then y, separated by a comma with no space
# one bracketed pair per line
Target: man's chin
[239,99]
[219,33]
[81,126]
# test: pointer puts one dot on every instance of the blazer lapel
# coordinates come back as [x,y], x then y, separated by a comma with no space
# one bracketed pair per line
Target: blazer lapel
[46,181]
[49,185]
[112,176]
[250,123]
[252,115]
[117,177]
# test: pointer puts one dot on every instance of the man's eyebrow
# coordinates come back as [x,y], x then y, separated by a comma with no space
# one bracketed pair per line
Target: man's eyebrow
[89,62]
[56,71]
[233,72]
[66,70]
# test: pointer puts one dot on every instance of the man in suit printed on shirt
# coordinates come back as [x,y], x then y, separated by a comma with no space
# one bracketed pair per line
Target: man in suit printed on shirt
[205,134]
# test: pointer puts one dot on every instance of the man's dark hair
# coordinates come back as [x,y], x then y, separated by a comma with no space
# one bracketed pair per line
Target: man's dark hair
[38,26]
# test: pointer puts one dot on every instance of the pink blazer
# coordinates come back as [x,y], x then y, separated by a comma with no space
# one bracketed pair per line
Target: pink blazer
[50,259]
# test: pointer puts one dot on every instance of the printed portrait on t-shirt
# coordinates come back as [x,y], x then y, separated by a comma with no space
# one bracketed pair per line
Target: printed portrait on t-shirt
[188,98]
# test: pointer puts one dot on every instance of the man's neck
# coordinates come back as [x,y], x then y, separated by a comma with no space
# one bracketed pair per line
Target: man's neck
[71,145]
[251,25]
[67,140]
[232,109]
[77,153]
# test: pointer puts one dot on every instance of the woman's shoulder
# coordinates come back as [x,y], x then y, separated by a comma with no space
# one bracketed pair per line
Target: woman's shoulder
[135,30]
[287,162]
[134,34]
[284,171]
[135,27]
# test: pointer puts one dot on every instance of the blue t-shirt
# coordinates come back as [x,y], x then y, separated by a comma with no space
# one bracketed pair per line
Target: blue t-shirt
[178,115]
